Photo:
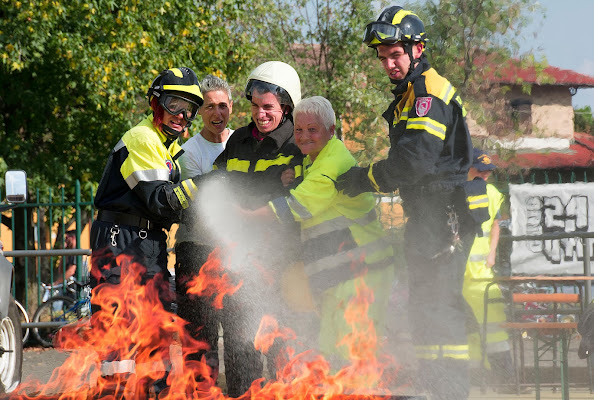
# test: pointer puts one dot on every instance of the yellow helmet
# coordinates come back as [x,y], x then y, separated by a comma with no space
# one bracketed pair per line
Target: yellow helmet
[182,80]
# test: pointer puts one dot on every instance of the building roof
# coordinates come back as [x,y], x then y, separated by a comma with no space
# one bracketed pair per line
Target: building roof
[579,155]
[512,72]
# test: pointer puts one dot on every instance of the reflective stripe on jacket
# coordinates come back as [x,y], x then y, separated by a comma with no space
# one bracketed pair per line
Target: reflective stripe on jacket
[255,166]
[437,352]
[430,142]
[142,177]
[482,245]
[340,234]
[476,268]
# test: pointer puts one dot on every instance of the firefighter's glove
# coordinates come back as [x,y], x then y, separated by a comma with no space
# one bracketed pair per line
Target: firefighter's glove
[215,174]
[354,182]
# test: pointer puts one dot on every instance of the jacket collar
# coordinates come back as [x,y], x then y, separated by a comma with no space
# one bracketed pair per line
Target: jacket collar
[167,142]
[282,134]
[421,67]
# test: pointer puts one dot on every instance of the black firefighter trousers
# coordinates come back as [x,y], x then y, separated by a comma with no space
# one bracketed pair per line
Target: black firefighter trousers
[437,309]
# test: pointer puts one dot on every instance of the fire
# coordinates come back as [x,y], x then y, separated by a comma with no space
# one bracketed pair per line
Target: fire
[133,324]
[212,280]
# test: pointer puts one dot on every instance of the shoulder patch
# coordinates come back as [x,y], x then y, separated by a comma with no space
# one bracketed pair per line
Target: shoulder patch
[169,165]
[423,105]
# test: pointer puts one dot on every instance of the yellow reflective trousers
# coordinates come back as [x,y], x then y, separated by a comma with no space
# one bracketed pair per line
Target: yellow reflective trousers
[474,292]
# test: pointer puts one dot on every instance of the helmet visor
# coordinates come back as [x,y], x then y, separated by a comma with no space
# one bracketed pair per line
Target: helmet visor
[262,87]
[380,32]
[175,104]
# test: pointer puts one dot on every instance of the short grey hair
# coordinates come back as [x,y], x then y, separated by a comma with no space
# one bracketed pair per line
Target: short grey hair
[212,83]
[319,106]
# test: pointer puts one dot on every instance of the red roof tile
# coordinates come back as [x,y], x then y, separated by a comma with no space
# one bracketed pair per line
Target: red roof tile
[512,72]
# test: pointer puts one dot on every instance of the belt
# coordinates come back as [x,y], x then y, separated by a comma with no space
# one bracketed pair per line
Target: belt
[119,218]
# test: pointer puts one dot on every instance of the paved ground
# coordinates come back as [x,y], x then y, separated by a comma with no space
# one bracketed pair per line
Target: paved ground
[38,364]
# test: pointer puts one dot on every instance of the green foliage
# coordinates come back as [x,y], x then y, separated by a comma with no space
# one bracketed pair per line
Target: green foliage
[584,120]
[323,41]
[74,73]
[460,31]
[469,40]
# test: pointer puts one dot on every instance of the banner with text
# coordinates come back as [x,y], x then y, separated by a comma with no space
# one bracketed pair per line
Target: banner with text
[546,209]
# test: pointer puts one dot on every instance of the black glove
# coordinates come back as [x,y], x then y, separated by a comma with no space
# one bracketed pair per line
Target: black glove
[354,182]
[210,176]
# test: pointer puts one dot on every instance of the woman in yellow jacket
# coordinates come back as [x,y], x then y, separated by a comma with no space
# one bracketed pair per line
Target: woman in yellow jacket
[341,236]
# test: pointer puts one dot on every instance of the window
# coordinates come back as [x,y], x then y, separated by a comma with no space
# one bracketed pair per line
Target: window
[521,115]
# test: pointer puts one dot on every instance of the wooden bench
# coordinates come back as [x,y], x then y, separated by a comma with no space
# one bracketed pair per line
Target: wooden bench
[554,335]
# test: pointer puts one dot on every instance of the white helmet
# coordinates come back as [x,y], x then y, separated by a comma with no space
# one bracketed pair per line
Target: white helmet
[282,76]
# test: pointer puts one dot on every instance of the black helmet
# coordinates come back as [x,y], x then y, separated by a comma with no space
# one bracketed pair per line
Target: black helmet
[395,25]
[178,91]
[182,80]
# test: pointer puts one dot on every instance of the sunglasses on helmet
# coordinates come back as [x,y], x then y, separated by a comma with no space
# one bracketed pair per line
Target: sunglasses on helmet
[380,32]
[174,105]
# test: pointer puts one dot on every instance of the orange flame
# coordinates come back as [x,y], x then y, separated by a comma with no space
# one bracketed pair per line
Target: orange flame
[132,324]
[213,281]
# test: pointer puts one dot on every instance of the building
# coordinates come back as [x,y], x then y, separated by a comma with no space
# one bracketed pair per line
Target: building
[538,105]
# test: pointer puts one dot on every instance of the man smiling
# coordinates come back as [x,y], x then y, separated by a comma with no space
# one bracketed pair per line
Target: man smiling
[140,196]
[254,160]
[193,243]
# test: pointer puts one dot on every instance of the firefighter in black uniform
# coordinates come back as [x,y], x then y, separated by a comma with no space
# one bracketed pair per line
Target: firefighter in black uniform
[141,193]
[428,162]
[253,161]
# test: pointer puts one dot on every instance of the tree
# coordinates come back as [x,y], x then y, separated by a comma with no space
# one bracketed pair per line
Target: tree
[322,40]
[74,73]
[469,40]
[584,120]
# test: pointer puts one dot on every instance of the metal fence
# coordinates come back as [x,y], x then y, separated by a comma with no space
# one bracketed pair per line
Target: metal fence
[47,216]
[504,177]
[50,212]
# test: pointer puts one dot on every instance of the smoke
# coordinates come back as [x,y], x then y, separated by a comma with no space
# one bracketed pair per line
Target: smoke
[256,251]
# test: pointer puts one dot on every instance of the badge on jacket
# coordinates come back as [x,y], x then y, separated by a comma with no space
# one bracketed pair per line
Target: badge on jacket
[169,165]
[423,105]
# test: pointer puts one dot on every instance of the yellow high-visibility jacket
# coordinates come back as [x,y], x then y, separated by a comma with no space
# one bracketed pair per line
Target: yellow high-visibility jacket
[341,238]
[142,177]
[476,268]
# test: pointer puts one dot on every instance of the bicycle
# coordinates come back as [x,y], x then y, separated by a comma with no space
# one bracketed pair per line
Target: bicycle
[58,311]
[24,320]
[48,291]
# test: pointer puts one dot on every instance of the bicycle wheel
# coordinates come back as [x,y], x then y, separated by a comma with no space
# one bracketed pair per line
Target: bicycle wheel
[56,309]
[24,319]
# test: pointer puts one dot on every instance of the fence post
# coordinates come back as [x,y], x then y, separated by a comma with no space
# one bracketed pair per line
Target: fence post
[587,269]
[78,229]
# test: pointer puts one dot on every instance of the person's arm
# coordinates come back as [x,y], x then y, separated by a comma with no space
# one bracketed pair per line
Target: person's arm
[263,213]
[494,241]
[420,143]
[288,177]
[496,200]
[312,196]
[417,152]
[69,271]
[148,176]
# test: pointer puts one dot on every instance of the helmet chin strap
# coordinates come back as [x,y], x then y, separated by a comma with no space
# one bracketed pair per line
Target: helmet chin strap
[408,48]
[172,133]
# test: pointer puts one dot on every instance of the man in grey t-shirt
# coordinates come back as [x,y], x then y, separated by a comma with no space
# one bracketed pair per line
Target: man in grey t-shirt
[193,241]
